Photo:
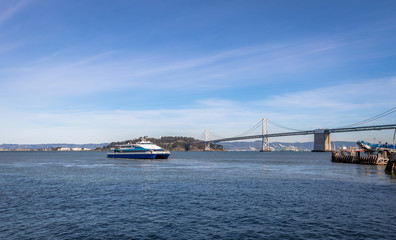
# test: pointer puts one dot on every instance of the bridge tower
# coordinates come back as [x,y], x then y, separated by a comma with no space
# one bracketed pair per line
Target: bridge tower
[265,140]
[322,140]
[207,139]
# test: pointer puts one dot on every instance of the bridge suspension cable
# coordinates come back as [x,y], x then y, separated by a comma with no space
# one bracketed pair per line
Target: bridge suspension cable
[208,134]
[214,135]
[386,113]
[201,137]
[257,125]
[281,126]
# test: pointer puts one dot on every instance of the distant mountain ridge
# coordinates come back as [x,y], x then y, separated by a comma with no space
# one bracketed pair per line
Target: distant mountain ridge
[170,143]
[51,145]
[280,146]
[230,146]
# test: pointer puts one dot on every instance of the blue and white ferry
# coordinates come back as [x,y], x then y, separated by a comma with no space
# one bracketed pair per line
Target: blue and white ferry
[143,150]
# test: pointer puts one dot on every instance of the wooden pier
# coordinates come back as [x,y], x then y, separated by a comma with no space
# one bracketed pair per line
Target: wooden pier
[359,157]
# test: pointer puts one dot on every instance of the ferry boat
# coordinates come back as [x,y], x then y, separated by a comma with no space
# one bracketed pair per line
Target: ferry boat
[142,150]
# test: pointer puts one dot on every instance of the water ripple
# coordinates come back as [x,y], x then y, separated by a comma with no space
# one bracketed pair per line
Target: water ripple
[193,196]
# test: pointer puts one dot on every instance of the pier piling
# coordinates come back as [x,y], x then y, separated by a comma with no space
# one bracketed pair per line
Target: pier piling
[391,165]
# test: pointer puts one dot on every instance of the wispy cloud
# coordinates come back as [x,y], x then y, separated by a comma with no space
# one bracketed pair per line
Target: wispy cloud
[58,75]
[4,48]
[323,107]
[9,11]
[102,71]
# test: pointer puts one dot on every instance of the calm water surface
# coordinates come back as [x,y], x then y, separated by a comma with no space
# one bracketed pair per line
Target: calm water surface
[193,195]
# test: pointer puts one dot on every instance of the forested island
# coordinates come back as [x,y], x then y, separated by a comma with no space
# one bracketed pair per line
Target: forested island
[170,143]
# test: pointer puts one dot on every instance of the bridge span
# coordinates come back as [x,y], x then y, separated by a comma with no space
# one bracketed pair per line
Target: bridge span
[322,141]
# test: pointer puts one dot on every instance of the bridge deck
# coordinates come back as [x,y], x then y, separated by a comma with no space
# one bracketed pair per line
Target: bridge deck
[334,130]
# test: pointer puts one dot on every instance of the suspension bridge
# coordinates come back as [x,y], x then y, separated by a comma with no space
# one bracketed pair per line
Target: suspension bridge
[322,141]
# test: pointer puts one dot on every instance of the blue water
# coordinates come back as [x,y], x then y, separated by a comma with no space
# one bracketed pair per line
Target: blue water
[193,195]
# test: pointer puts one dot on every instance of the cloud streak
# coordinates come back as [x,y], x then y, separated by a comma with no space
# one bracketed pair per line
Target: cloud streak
[89,82]
[55,75]
[10,11]
[334,107]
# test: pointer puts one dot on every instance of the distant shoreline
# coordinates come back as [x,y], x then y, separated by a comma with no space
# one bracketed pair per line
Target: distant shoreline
[228,146]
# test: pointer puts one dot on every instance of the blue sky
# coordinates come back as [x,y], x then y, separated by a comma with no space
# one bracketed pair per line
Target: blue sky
[101,71]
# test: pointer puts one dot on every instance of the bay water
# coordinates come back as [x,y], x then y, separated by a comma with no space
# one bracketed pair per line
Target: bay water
[193,195]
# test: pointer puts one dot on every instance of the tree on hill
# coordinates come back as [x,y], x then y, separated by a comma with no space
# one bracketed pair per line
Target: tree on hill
[169,143]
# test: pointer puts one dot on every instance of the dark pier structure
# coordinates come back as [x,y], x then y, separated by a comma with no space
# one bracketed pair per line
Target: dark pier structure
[391,165]
[359,157]
[372,154]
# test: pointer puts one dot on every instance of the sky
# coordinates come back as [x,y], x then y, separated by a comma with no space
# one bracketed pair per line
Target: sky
[94,71]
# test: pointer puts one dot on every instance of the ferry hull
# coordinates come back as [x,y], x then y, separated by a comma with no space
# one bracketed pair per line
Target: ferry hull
[162,156]
[138,156]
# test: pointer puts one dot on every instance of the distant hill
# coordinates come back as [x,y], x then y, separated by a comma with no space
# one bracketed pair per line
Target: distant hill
[280,146]
[183,144]
[170,143]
